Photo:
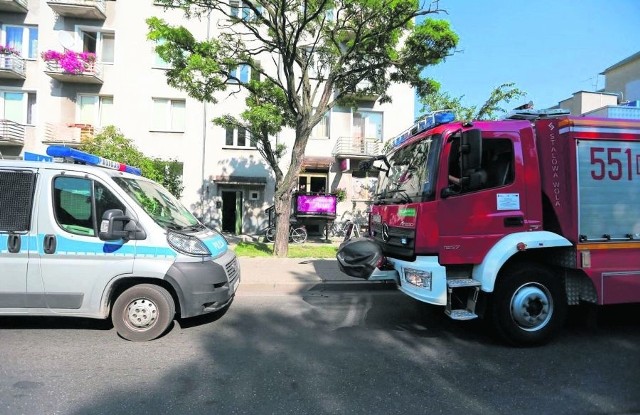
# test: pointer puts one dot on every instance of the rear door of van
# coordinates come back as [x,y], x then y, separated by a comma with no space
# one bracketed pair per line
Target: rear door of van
[17,237]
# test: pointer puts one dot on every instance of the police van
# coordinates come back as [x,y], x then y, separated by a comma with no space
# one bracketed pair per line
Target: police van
[98,240]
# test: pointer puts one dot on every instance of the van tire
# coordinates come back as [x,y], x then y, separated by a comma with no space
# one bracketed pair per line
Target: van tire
[143,312]
[529,305]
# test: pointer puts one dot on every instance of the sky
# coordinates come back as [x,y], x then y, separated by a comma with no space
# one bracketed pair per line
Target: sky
[548,48]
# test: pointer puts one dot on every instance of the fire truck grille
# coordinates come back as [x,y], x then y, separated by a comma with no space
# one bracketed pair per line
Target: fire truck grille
[395,242]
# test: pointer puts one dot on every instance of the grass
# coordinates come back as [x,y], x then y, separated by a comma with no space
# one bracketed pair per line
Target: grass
[260,249]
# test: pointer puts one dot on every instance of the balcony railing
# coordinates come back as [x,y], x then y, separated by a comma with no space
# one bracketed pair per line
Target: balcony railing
[362,93]
[356,147]
[15,6]
[91,75]
[67,134]
[84,9]
[11,133]
[12,66]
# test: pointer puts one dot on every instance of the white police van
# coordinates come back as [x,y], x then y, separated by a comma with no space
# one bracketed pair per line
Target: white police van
[87,241]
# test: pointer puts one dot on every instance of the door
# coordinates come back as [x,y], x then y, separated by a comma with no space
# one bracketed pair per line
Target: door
[238,215]
[75,265]
[16,236]
[471,220]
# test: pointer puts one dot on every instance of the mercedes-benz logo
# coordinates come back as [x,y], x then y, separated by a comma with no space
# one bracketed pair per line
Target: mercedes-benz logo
[385,232]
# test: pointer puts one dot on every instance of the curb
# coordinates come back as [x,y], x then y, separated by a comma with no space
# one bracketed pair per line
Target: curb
[291,287]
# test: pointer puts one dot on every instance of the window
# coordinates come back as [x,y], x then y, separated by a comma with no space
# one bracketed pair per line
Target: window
[24,39]
[254,195]
[312,182]
[241,73]
[100,43]
[367,124]
[496,168]
[323,128]
[18,106]
[95,110]
[158,62]
[74,201]
[168,115]
[241,9]
[238,137]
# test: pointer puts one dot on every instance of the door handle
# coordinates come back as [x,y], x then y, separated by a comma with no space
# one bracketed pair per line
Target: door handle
[14,243]
[514,221]
[49,244]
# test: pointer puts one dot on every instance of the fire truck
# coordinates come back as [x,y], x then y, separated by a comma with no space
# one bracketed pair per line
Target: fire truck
[511,220]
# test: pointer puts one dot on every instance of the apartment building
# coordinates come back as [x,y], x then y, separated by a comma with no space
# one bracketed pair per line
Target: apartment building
[122,82]
[621,86]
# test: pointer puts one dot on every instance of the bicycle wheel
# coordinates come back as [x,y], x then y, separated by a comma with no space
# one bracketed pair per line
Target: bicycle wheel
[299,235]
[270,234]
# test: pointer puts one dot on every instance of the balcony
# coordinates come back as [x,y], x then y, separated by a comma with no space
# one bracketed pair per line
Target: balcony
[84,9]
[12,66]
[92,73]
[67,134]
[363,92]
[13,6]
[356,147]
[11,133]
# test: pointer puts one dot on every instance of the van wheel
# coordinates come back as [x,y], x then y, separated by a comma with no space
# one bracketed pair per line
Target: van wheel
[529,305]
[143,312]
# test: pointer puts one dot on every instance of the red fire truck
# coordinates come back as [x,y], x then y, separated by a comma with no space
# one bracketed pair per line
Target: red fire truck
[511,220]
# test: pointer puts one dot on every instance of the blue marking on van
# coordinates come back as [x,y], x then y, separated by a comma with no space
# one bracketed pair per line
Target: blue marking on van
[67,246]
[217,245]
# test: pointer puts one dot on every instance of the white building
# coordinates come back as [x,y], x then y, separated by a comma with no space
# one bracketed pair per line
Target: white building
[227,183]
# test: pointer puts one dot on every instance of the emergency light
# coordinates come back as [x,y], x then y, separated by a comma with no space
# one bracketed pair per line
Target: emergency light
[91,159]
[427,122]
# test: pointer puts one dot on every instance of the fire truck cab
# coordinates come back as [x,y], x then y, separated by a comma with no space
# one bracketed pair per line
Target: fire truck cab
[512,220]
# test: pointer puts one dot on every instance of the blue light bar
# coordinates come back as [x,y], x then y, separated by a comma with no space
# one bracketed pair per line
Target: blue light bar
[91,159]
[427,122]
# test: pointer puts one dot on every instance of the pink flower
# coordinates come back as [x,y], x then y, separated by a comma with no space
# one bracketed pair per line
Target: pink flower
[70,61]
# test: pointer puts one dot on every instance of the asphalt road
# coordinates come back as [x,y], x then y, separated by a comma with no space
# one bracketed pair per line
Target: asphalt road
[322,352]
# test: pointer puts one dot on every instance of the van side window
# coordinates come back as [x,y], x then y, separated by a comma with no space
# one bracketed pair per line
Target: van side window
[16,200]
[77,202]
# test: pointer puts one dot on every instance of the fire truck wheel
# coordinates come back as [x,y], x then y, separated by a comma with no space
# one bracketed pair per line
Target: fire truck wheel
[143,312]
[529,305]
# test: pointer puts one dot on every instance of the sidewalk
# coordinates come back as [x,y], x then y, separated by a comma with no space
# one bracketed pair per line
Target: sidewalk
[296,275]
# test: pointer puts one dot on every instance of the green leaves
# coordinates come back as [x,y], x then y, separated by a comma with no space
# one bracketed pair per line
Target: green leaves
[110,143]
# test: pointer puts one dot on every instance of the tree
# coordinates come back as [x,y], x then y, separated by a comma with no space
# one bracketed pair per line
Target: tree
[111,144]
[310,56]
[490,110]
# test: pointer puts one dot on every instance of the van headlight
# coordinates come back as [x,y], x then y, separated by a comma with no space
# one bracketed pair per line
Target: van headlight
[186,244]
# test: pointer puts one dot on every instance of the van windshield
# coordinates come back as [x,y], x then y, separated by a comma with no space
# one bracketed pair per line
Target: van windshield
[411,174]
[161,205]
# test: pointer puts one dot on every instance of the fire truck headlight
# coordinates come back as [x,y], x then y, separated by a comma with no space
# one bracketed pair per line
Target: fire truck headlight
[418,278]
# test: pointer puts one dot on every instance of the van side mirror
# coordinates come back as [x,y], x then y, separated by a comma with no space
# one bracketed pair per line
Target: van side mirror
[116,225]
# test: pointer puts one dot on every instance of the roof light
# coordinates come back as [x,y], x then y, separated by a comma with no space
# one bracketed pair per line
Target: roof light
[429,121]
[91,159]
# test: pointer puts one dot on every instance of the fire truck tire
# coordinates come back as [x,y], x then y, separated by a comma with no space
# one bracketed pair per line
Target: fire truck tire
[529,305]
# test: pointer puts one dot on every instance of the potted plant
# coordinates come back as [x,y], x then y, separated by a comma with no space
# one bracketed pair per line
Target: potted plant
[8,50]
[341,194]
[70,61]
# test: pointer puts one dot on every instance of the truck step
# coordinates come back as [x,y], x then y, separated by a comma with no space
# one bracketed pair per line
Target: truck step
[463,282]
[461,314]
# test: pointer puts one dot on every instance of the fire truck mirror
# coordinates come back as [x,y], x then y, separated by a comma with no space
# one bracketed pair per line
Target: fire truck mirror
[471,150]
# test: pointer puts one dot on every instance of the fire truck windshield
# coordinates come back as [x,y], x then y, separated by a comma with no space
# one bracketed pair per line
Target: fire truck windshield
[411,175]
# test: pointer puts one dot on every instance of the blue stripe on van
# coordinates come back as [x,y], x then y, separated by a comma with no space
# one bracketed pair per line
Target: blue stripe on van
[217,245]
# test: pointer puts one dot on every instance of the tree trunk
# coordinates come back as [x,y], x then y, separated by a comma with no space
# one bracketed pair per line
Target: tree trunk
[284,190]
[283,213]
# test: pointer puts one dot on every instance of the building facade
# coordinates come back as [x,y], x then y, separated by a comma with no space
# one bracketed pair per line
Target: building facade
[120,81]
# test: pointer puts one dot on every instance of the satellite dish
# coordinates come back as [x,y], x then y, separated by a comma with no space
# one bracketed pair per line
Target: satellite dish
[67,40]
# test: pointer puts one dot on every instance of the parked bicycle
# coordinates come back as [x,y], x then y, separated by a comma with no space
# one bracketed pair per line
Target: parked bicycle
[340,229]
[297,233]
